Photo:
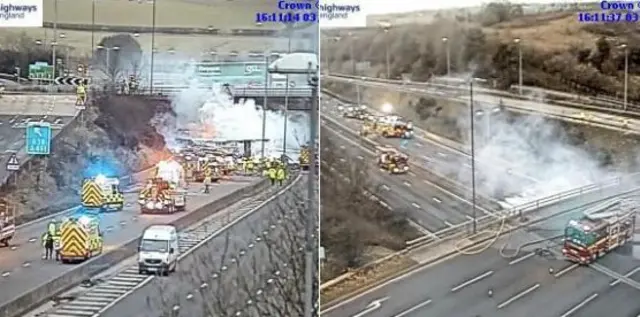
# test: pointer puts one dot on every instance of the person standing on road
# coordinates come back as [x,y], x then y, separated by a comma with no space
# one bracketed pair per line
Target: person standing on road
[47,241]
[271,173]
[281,175]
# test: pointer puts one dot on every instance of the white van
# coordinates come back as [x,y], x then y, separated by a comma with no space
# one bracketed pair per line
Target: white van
[158,250]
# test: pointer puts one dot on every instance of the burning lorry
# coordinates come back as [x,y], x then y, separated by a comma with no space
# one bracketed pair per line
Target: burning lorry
[164,193]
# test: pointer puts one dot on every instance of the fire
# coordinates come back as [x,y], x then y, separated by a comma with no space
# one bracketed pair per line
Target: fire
[170,171]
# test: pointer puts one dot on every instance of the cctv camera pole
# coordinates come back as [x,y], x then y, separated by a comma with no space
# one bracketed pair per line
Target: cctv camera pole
[153,44]
[54,43]
[93,26]
[312,208]
[286,103]
[473,158]
[264,104]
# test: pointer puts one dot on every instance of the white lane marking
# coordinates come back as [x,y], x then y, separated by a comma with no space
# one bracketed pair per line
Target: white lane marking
[436,199]
[385,205]
[449,224]
[423,230]
[522,258]
[415,205]
[518,296]
[471,281]
[566,270]
[407,184]
[580,305]
[617,281]
[414,308]
[385,187]
[412,174]
[360,157]
[469,218]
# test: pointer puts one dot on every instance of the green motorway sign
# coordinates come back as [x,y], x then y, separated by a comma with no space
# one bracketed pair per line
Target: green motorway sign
[41,71]
[234,73]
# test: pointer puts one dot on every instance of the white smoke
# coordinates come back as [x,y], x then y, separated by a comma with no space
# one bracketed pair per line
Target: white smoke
[525,157]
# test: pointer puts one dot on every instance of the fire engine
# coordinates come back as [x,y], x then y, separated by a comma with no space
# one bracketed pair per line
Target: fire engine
[392,160]
[164,193]
[597,234]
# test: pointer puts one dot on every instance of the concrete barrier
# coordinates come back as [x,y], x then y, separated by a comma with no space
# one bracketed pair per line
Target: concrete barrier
[35,297]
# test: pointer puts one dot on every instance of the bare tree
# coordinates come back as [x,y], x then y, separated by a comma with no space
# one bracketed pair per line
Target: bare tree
[255,269]
[352,221]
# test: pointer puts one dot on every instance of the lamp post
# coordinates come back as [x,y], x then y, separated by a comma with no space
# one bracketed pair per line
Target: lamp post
[626,75]
[311,210]
[93,26]
[153,44]
[352,38]
[445,40]
[286,100]
[473,158]
[108,50]
[518,42]
[385,28]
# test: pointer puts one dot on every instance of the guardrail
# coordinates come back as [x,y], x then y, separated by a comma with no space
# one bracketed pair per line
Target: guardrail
[29,300]
[271,92]
[604,104]
[621,123]
[535,204]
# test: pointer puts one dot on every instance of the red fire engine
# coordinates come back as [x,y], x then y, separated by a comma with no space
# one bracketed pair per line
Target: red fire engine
[595,235]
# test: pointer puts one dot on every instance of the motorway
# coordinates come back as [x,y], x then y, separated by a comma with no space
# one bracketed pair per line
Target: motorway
[21,264]
[246,242]
[433,208]
[591,117]
[521,283]
[448,162]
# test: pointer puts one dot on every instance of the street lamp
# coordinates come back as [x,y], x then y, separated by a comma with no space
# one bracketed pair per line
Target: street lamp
[472,114]
[352,39]
[445,40]
[486,114]
[108,56]
[385,27]
[626,74]
[66,52]
[518,42]
[387,108]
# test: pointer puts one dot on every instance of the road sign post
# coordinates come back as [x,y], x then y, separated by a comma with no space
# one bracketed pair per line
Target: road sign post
[39,138]
[13,164]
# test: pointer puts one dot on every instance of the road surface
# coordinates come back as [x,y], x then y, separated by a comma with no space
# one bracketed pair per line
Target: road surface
[38,104]
[590,117]
[21,264]
[447,161]
[522,283]
[433,208]
[246,243]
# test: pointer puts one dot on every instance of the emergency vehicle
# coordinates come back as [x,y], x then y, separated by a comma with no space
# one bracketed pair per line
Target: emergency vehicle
[80,239]
[304,158]
[596,234]
[392,160]
[355,112]
[159,196]
[7,222]
[102,193]
[396,129]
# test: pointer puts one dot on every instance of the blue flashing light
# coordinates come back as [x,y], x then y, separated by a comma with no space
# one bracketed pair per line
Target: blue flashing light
[101,167]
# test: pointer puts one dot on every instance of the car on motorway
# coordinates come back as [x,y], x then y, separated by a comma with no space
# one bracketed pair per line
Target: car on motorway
[158,250]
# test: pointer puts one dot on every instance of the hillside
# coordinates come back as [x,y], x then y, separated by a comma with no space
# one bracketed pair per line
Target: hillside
[558,52]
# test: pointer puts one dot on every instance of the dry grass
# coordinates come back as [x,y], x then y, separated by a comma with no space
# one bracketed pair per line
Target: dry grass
[221,14]
[554,33]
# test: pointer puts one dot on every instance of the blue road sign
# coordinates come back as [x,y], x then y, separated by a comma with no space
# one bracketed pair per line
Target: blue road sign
[38,138]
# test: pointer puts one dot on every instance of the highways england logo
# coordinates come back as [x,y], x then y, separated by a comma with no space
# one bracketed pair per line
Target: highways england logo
[21,13]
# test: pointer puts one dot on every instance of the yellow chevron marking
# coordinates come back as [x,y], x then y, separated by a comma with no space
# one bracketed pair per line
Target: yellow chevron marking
[73,240]
[91,194]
